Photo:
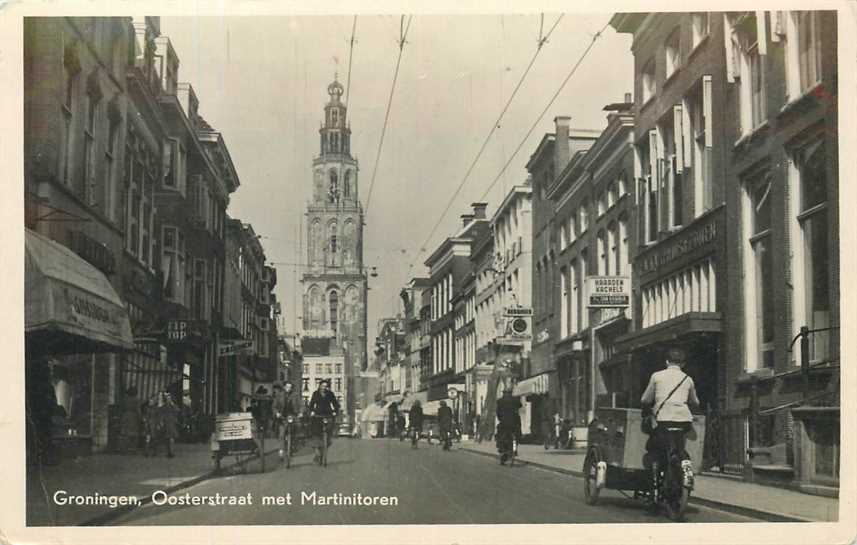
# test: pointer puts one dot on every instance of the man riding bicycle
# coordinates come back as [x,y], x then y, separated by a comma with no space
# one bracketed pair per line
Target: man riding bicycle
[323,403]
[286,404]
[668,394]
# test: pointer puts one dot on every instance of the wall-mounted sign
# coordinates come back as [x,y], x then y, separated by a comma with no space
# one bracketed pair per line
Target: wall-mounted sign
[608,291]
[229,349]
[694,237]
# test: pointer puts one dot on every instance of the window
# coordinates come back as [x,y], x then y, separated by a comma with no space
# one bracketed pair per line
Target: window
[672,51]
[338,368]
[332,244]
[752,96]
[319,369]
[612,195]
[700,23]
[700,140]
[672,168]
[337,384]
[173,263]
[333,186]
[603,256]
[622,262]
[346,188]
[602,204]
[572,227]
[613,243]
[583,316]
[808,60]
[583,220]
[71,66]
[651,169]
[334,311]
[109,192]
[759,275]
[90,180]
[563,313]
[813,308]
[648,80]
[563,240]
[328,368]
[306,368]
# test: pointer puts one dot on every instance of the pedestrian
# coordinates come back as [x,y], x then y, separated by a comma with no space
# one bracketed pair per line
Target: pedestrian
[400,426]
[444,422]
[509,425]
[416,419]
[131,421]
[547,426]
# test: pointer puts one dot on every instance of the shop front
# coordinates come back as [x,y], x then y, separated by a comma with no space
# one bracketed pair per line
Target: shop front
[75,325]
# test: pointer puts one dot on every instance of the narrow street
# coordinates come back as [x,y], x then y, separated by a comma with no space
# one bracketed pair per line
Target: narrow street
[432,487]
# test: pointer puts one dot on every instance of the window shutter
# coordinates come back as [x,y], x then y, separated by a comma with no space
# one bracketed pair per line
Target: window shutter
[653,153]
[678,137]
[727,43]
[762,32]
[686,135]
[706,108]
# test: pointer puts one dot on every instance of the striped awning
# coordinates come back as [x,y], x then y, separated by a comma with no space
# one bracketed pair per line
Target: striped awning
[532,386]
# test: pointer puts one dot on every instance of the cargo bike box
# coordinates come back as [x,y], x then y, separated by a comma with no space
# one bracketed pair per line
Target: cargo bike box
[616,435]
[236,434]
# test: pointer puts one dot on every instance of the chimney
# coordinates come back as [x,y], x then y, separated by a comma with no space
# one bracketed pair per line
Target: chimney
[479,210]
[561,151]
[466,219]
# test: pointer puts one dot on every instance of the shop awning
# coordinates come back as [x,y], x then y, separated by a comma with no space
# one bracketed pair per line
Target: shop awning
[70,306]
[681,327]
[532,386]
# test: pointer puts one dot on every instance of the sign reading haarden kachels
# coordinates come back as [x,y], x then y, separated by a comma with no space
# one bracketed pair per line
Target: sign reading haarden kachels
[608,291]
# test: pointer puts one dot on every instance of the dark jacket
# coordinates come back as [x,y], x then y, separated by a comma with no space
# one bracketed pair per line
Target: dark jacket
[286,404]
[416,417]
[323,405]
[507,412]
[444,418]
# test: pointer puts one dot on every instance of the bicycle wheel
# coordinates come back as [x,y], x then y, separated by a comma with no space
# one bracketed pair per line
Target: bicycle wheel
[676,496]
[590,472]
[262,450]
[324,448]
[288,448]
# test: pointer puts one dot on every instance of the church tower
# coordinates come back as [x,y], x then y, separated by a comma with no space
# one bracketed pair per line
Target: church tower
[334,281]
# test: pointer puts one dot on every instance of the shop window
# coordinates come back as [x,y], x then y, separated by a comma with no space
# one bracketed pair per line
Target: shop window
[824,435]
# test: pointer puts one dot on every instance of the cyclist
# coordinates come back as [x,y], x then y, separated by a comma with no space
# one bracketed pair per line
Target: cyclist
[285,405]
[322,403]
[444,421]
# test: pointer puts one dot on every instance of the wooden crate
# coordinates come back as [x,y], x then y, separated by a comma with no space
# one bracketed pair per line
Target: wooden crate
[623,444]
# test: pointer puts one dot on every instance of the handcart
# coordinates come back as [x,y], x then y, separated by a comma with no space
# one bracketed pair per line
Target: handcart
[237,434]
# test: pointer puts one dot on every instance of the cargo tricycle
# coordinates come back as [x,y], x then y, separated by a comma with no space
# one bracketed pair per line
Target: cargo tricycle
[239,435]
[617,459]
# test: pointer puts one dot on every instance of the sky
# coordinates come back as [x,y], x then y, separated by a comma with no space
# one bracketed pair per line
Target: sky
[261,81]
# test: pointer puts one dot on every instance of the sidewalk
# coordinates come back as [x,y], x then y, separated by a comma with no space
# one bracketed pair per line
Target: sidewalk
[121,475]
[769,503]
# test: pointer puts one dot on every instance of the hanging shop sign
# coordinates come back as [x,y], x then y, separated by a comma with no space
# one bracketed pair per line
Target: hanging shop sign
[608,291]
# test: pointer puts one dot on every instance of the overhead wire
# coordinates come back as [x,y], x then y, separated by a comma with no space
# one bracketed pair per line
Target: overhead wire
[494,126]
[595,38]
[403,34]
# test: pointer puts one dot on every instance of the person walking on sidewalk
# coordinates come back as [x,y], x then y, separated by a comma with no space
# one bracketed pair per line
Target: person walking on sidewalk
[509,425]
[416,418]
[444,422]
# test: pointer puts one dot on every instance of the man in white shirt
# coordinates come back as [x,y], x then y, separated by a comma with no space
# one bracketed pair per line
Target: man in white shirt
[668,394]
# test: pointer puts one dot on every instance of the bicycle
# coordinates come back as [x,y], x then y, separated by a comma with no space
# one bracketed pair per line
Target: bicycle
[415,437]
[288,446]
[321,459]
